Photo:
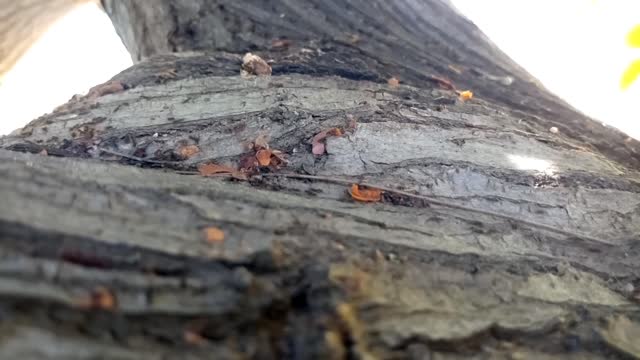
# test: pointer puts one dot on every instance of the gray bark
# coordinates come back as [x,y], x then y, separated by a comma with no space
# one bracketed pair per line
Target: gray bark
[467,255]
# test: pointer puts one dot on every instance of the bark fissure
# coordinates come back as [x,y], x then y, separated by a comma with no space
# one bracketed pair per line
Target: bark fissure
[495,237]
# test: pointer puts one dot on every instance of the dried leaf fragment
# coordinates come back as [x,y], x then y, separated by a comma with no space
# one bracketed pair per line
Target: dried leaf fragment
[264,157]
[255,65]
[466,95]
[100,298]
[279,156]
[211,169]
[110,87]
[249,163]
[104,298]
[261,142]
[213,235]
[188,151]
[193,338]
[393,82]
[193,332]
[352,123]
[318,146]
[365,195]
[280,43]
[167,74]
[444,83]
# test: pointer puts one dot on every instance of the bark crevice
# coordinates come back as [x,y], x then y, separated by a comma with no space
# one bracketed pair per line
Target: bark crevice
[494,237]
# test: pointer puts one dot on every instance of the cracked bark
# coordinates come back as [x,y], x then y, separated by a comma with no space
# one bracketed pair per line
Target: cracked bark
[470,253]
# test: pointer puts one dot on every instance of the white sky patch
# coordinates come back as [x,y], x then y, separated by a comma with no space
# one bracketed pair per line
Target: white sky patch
[534,164]
[79,51]
[576,48]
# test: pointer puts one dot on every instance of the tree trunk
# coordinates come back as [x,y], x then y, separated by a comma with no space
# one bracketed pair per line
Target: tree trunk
[507,226]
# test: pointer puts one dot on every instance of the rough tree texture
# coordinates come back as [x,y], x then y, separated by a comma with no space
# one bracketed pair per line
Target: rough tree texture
[470,252]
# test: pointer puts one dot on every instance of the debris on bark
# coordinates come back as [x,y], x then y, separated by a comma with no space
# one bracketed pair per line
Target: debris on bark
[213,235]
[255,65]
[318,145]
[466,95]
[110,87]
[211,169]
[464,254]
[264,157]
[187,151]
[167,74]
[365,194]
[281,43]
[261,142]
[99,298]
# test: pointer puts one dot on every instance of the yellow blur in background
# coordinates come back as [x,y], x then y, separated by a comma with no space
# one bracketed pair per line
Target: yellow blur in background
[579,49]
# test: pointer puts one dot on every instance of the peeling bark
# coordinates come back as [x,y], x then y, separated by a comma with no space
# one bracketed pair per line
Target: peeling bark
[472,251]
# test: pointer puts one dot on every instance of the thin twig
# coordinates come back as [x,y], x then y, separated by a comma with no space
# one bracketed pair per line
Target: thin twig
[139,159]
[436,202]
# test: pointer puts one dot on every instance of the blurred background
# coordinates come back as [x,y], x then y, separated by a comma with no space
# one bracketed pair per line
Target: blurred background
[576,48]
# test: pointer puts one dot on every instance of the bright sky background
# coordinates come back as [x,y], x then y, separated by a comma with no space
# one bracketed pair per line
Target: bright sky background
[575,47]
[78,52]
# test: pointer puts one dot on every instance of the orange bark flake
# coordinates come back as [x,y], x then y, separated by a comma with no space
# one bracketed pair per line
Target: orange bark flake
[213,235]
[211,169]
[466,95]
[365,195]
[264,157]
[393,82]
[100,298]
[188,151]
